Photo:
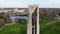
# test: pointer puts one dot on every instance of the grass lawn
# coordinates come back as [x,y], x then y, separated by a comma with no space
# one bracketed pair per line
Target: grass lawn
[14,29]
[46,27]
[49,26]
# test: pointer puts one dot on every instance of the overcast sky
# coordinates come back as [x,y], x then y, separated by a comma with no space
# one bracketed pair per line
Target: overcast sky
[25,3]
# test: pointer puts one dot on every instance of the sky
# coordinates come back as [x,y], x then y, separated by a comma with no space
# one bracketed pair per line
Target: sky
[25,3]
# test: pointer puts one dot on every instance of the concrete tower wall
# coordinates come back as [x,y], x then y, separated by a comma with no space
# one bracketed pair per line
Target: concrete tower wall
[32,9]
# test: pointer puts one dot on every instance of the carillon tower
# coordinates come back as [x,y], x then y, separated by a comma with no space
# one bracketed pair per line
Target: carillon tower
[33,22]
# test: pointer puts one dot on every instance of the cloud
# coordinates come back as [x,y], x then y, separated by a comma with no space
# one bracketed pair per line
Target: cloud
[17,3]
[25,3]
[51,4]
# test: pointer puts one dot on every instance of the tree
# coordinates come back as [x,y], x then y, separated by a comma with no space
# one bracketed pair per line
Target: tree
[22,21]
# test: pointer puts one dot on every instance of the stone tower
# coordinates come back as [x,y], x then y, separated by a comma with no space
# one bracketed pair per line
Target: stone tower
[33,22]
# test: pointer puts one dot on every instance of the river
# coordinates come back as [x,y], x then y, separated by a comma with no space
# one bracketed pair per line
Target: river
[19,17]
